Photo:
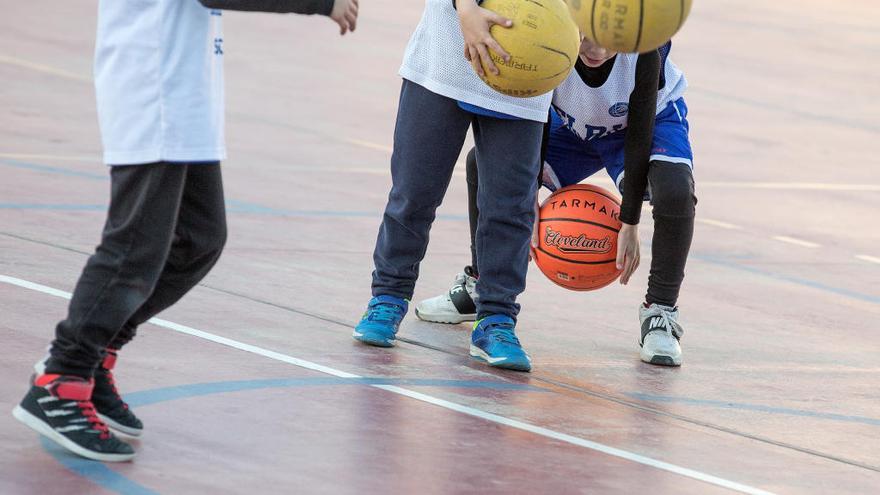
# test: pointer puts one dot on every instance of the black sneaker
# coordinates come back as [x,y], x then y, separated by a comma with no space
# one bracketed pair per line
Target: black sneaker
[111,408]
[59,408]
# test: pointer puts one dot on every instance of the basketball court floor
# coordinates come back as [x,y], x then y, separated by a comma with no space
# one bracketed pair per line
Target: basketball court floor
[253,384]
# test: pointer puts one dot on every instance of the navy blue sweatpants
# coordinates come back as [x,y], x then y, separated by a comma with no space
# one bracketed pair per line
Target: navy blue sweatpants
[428,139]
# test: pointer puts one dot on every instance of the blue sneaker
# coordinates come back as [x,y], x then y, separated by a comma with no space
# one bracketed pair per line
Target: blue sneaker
[379,324]
[494,342]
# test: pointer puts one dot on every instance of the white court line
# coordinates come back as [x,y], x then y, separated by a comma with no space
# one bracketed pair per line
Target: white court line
[796,242]
[718,223]
[452,406]
[368,144]
[46,69]
[869,259]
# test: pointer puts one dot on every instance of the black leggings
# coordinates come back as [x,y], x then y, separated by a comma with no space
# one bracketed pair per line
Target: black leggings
[674,207]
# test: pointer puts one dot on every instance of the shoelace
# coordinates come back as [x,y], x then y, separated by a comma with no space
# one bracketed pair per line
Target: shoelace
[465,279]
[112,381]
[462,279]
[384,313]
[503,332]
[668,322]
[88,410]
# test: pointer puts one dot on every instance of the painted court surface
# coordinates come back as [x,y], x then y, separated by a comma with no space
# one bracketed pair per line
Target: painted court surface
[252,384]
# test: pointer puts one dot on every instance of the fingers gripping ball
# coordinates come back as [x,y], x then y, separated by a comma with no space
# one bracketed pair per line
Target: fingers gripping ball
[577,242]
[629,25]
[543,45]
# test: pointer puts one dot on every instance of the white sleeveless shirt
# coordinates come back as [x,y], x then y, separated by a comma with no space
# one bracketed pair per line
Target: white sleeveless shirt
[159,81]
[434,59]
[594,113]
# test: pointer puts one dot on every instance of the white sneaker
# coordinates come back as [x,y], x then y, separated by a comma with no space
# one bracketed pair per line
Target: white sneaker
[660,336]
[455,306]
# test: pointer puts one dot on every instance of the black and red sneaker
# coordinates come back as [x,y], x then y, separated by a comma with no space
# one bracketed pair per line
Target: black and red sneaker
[111,408]
[59,407]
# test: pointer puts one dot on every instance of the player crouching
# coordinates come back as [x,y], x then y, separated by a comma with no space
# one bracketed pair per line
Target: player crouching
[624,113]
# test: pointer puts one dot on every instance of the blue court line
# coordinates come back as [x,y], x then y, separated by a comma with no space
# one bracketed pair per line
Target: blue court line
[148,397]
[51,207]
[236,206]
[55,170]
[103,476]
[252,208]
[754,407]
[233,206]
[787,278]
[804,114]
[96,472]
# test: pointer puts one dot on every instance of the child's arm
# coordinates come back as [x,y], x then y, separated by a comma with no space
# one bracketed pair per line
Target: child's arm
[637,152]
[639,136]
[343,12]
[475,22]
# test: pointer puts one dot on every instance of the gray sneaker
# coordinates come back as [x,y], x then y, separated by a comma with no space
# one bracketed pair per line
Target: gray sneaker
[660,336]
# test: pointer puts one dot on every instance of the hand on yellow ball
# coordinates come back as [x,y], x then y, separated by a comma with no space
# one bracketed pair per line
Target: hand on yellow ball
[475,22]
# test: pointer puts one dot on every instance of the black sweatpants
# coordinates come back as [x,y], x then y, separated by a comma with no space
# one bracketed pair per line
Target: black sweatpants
[674,208]
[165,229]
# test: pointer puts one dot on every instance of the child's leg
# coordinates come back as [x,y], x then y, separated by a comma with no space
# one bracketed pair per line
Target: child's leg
[473,210]
[671,191]
[566,160]
[457,304]
[122,273]
[198,241]
[428,137]
[671,185]
[508,156]
[674,201]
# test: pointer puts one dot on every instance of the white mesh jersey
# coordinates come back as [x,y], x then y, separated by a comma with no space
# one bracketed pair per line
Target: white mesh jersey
[434,59]
[595,113]
[159,81]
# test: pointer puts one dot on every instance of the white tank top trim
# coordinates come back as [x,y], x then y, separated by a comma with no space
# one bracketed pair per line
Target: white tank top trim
[434,59]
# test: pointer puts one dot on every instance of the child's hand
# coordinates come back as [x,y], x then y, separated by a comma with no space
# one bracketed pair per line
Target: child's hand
[475,22]
[627,251]
[345,13]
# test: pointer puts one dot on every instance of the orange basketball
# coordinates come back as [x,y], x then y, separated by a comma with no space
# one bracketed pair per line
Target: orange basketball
[577,242]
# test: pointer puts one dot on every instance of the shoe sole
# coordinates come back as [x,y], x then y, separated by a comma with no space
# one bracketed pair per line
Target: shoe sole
[373,342]
[120,428]
[47,431]
[661,360]
[481,356]
[444,318]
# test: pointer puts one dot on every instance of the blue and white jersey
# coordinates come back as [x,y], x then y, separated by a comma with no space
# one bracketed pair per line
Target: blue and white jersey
[159,81]
[596,113]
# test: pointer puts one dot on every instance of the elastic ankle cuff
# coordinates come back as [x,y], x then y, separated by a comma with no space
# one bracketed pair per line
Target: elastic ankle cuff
[53,368]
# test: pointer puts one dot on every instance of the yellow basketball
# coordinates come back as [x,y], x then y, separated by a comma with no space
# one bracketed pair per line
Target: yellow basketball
[543,46]
[629,25]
